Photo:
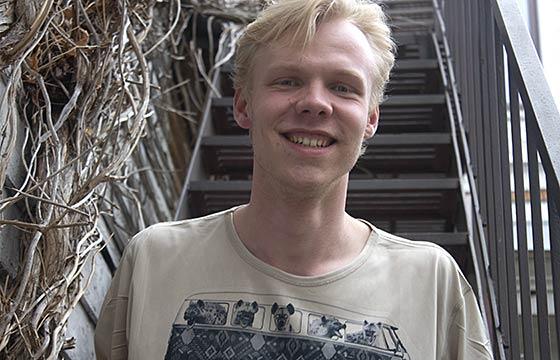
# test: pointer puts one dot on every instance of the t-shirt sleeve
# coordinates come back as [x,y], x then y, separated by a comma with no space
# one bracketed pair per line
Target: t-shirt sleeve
[111,332]
[467,337]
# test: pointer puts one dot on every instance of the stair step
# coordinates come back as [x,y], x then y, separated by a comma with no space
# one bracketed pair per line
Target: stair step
[400,65]
[440,238]
[375,199]
[386,153]
[401,24]
[414,100]
[414,45]
[409,15]
[373,185]
[416,64]
[412,12]
[397,3]
[399,113]
[415,77]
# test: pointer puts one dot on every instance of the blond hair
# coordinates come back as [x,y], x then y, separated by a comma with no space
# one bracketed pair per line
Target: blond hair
[296,21]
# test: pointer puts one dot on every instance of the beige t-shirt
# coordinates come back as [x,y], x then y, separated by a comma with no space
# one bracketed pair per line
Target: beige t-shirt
[191,290]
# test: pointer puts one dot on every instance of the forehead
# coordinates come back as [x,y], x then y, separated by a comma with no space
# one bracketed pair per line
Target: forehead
[338,45]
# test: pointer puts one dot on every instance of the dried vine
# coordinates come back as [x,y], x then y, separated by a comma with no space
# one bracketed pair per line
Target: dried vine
[92,87]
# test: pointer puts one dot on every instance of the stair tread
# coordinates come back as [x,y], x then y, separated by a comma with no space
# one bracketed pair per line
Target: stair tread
[416,203]
[440,238]
[400,65]
[426,153]
[392,100]
[416,64]
[407,2]
[424,11]
[354,185]
[379,139]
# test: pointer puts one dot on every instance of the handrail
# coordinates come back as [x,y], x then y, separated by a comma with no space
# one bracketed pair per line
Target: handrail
[195,166]
[500,91]
[535,85]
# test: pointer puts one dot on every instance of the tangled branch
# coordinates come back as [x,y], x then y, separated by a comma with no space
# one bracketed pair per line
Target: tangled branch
[77,85]
[92,87]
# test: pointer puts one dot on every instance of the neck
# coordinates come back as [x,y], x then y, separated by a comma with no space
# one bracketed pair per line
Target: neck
[304,234]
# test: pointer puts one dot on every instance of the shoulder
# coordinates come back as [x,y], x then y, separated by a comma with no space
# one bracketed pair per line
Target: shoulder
[423,251]
[173,235]
[464,334]
[425,259]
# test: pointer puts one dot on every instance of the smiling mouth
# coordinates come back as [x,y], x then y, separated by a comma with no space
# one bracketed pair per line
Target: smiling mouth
[312,141]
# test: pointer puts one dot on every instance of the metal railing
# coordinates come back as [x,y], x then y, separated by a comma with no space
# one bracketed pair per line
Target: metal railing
[505,117]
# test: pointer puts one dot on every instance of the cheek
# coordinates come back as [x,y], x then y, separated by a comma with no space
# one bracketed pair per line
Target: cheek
[359,121]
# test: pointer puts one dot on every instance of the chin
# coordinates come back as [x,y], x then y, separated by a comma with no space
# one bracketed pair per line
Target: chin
[312,184]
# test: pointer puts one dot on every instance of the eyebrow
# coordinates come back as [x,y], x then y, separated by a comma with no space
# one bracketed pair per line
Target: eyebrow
[353,74]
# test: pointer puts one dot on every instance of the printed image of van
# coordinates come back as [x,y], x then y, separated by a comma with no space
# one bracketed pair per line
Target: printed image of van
[253,326]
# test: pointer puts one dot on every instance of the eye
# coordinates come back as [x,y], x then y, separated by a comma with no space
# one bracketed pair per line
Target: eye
[341,88]
[287,82]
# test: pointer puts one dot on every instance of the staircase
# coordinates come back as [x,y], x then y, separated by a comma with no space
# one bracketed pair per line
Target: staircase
[467,98]
[406,182]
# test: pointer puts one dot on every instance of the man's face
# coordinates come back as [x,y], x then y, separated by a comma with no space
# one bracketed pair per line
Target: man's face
[308,110]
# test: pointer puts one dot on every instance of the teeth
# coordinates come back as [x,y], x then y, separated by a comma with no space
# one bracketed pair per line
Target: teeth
[308,141]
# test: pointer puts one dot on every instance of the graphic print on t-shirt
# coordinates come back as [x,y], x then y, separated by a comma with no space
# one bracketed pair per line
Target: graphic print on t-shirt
[252,326]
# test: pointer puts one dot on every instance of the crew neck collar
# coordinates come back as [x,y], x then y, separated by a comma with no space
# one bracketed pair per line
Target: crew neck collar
[299,280]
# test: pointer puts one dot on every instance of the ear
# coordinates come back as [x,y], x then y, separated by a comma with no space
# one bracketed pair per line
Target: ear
[291,309]
[373,121]
[240,110]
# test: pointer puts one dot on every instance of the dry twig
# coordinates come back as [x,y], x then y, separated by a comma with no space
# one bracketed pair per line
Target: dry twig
[79,77]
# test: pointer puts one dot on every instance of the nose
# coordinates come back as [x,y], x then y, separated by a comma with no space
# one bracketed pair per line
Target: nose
[314,100]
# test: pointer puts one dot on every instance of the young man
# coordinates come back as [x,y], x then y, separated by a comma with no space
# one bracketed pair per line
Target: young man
[292,275]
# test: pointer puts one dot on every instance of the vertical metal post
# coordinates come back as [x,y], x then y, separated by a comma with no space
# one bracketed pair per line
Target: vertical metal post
[523,252]
[490,43]
[538,246]
[476,70]
[554,226]
[481,139]
[467,67]
[463,55]
[538,242]
[534,24]
[503,227]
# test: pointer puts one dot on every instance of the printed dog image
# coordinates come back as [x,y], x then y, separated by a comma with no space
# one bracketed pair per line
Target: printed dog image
[326,327]
[244,313]
[281,315]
